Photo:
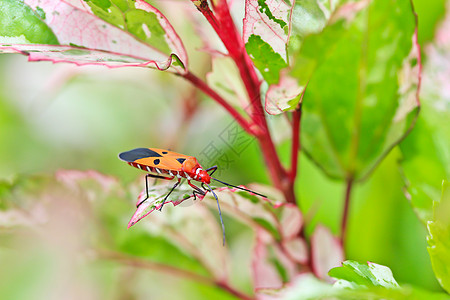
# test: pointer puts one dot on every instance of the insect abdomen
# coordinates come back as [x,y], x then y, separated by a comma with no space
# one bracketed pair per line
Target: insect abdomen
[160,171]
[149,169]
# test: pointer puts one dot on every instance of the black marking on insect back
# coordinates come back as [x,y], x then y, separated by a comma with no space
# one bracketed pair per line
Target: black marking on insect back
[138,153]
[181,160]
[156,161]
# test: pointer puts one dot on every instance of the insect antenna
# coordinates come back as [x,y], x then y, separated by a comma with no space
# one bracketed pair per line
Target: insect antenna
[220,213]
[244,189]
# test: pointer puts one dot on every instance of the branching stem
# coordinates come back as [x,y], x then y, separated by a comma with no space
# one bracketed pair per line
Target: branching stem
[233,42]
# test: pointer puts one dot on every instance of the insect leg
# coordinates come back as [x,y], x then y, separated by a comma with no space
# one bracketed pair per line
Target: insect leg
[146,190]
[165,198]
[146,184]
[197,190]
[213,168]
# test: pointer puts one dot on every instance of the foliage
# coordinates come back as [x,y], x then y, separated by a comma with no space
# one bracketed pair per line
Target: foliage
[345,78]
[439,236]
[357,281]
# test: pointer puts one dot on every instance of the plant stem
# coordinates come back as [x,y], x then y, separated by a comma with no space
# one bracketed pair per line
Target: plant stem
[154,266]
[235,46]
[200,84]
[296,144]
[203,7]
[223,24]
[233,42]
[344,220]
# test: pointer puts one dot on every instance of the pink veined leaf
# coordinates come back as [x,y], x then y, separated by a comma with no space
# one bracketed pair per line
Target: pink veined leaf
[273,29]
[186,226]
[266,35]
[278,248]
[326,252]
[224,78]
[264,274]
[87,38]
[269,23]
[267,27]
[73,178]
[156,194]
[272,266]
[278,95]
[297,250]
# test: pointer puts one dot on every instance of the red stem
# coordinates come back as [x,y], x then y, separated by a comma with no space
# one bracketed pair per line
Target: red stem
[200,84]
[233,42]
[344,220]
[203,7]
[296,145]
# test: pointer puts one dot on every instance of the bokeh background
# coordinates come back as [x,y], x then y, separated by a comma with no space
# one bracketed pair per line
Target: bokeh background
[62,117]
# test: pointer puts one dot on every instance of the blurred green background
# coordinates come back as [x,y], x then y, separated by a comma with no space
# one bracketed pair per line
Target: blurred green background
[55,117]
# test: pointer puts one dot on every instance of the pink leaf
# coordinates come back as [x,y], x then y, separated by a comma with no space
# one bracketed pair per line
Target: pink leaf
[278,249]
[73,178]
[186,226]
[224,78]
[267,23]
[326,252]
[269,261]
[278,95]
[297,250]
[157,193]
[87,39]
[291,221]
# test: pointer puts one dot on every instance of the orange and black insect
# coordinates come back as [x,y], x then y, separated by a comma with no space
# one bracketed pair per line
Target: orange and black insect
[165,164]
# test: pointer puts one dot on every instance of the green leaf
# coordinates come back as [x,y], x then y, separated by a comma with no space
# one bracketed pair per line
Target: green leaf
[29,28]
[307,287]
[369,63]
[439,238]
[140,23]
[369,275]
[272,30]
[424,162]
[266,28]
[266,60]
